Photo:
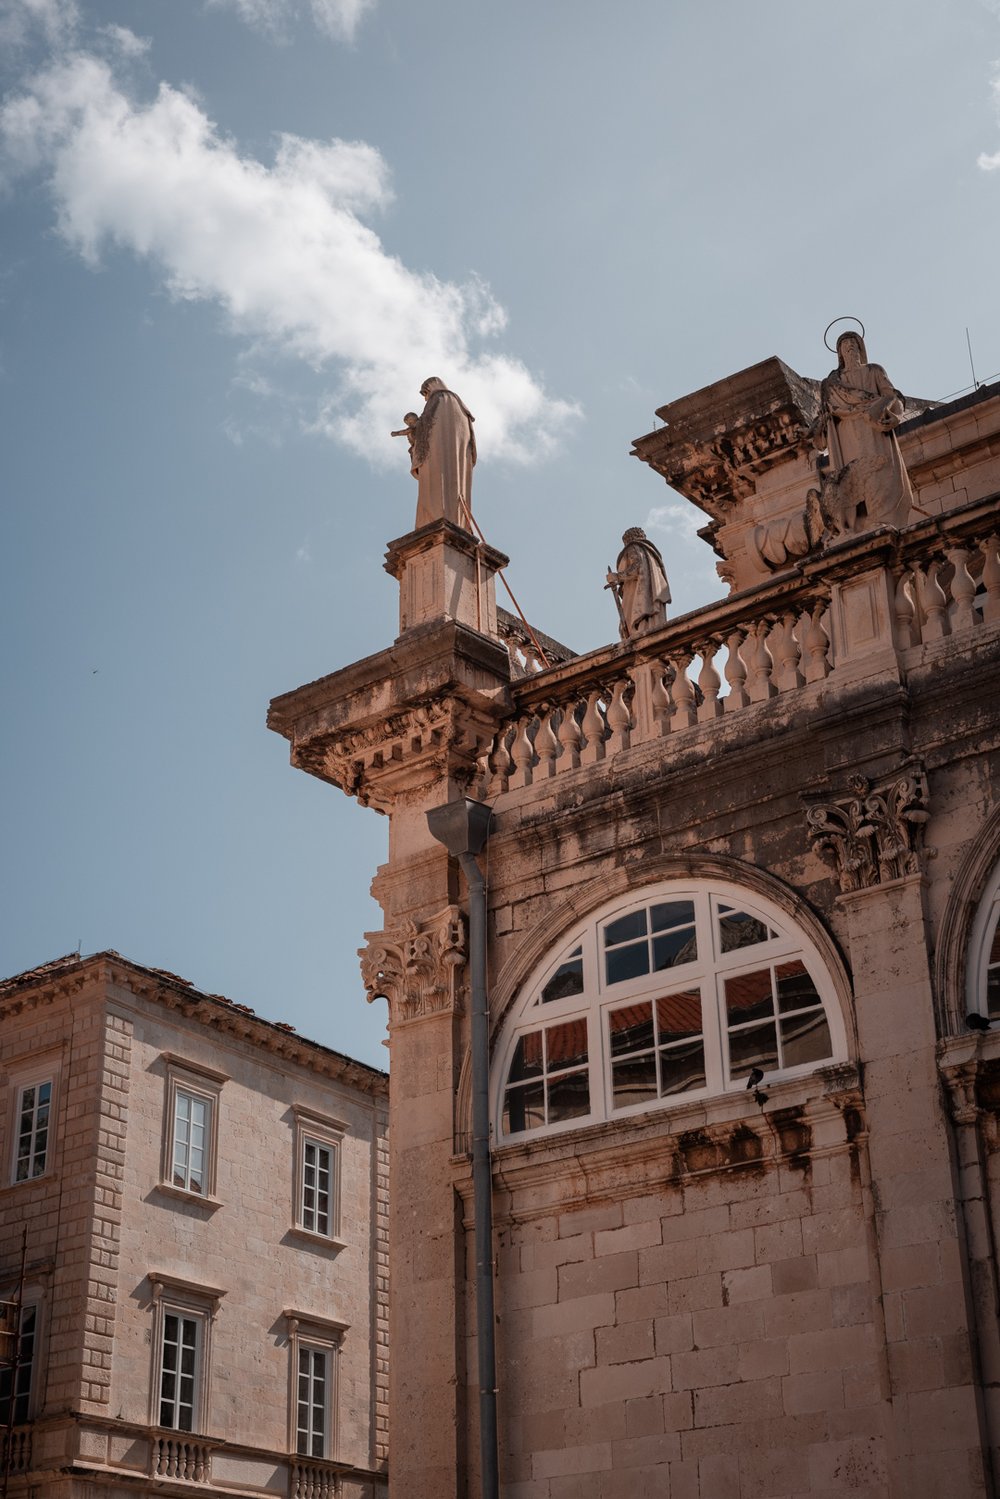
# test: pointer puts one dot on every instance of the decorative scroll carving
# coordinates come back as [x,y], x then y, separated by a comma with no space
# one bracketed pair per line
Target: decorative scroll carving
[375,763]
[875,834]
[418,966]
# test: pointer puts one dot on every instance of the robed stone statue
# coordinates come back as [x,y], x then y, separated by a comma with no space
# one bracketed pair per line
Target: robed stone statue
[865,482]
[442,455]
[639,584]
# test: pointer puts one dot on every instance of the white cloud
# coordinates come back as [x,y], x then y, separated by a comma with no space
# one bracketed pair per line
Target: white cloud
[676,518]
[282,249]
[990,161]
[125,41]
[340,19]
[54,21]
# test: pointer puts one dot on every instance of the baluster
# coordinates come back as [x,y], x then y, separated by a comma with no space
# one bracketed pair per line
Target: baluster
[546,745]
[200,1465]
[682,693]
[619,718]
[660,699]
[787,675]
[500,762]
[523,753]
[760,664]
[963,590]
[173,1453]
[933,601]
[907,633]
[991,578]
[570,737]
[815,644]
[710,683]
[644,723]
[593,731]
[736,673]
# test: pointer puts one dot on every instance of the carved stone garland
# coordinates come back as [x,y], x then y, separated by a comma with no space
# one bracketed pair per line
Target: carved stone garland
[875,834]
[417,966]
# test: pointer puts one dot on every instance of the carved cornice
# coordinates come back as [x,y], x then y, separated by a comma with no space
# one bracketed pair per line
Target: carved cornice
[876,832]
[417,966]
[381,761]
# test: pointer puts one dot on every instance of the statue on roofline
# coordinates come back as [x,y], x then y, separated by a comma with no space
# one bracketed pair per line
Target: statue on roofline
[442,455]
[864,483]
[639,585]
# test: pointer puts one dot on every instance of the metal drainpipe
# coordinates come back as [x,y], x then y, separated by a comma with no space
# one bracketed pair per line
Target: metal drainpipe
[463,827]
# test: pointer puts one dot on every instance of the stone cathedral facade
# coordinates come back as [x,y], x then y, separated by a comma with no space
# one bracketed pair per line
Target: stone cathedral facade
[743,964]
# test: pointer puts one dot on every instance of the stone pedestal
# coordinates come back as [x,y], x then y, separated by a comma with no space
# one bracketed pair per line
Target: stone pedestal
[445,573]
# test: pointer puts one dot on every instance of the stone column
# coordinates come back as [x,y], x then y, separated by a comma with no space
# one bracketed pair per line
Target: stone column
[873,838]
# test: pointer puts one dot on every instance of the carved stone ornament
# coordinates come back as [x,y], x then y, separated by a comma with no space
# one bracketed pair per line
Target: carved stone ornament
[960,1081]
[418,966]
[399,753]
[876,833]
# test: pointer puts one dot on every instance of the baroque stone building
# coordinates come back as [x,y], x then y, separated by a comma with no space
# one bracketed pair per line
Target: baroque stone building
[202,1197]
[743,891]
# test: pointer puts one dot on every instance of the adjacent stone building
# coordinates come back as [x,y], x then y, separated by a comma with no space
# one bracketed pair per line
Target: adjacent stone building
[202,1197]
[743,890]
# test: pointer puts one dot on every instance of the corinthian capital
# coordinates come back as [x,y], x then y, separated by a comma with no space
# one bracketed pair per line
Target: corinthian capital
[417,966]
[875,833]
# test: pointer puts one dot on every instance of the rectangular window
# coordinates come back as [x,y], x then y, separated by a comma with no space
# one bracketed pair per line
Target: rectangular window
[312,1406]
[317,1186]
[191,1121]
[32,1130]
[180,1355]
[318,1147]
[18,1384]
[191,1128]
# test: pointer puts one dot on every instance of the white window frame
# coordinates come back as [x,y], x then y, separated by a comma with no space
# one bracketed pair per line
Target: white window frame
[204,1086]
[980,942]
[706,974]
[34,1072]
[325,1133]
[197,1303]
[309,1333]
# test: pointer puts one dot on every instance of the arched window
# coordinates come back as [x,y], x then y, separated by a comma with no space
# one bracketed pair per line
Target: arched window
[674,994]
[984,954]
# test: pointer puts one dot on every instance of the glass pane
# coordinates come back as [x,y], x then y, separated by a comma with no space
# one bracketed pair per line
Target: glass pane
[44,1093]
[625,929]
[739,929]
[566,1045]
[806,1038]
[633,1081]
[993,992]
[631,1028]
[748,997]
[682,1068]
[569,1096]
[796,990]
[627,962]
[671,913]
[567,979]
[756,1047]
[527,1058]
[674,948]
[679,1015]
[524,1108]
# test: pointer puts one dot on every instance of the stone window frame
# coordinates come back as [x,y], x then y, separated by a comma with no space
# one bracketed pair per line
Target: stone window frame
[26,1073]
[984,928]
[174,1296]
[204,1083]
[307,1331]
[599,998]
[328,1133]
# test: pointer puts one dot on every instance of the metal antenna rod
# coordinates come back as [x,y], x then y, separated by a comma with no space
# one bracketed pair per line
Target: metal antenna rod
[968,341]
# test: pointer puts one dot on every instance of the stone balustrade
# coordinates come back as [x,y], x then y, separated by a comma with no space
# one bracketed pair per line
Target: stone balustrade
[180,1457]
[15,1450]
[944,578]
[314,1480]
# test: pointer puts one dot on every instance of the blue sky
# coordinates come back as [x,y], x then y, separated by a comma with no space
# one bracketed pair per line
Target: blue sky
[236,236]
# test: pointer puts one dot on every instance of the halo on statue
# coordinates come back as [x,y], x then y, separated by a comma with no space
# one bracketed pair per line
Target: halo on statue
[826,330]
